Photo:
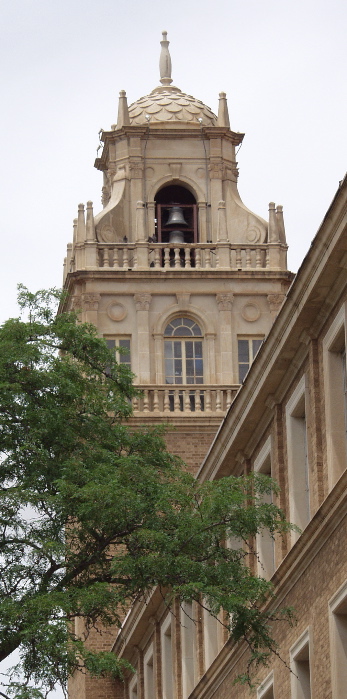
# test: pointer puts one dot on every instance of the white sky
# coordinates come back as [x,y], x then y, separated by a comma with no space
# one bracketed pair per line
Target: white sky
[282,64]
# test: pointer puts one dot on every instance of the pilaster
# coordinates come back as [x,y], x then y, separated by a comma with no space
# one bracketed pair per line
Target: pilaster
[224,304]
[142,304]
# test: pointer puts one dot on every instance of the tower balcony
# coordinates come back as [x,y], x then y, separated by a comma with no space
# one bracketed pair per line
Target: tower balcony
[162,257]
[168,399]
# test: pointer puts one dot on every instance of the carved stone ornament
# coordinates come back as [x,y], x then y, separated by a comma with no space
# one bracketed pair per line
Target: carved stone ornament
[200,172]
[175,170]
[116,311]
[275,301]
[76,303]
[253,235]
[107,234]
[225,302]
[106,190]
[183,300]
[105,195]
[91,302]
[136,170]
[142,301]
[250,312]
[216,171]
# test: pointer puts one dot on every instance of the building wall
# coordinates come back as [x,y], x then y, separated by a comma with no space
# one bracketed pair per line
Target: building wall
[292,413]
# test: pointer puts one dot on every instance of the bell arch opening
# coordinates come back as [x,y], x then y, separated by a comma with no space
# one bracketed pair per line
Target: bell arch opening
[176,215]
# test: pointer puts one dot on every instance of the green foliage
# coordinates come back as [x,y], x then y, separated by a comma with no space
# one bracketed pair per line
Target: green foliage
[94,514]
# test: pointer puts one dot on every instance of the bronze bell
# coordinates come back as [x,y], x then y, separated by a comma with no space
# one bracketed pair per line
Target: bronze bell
[176,217]
[176,237]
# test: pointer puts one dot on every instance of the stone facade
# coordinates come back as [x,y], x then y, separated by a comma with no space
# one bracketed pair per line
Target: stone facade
[193,310]
[290,415]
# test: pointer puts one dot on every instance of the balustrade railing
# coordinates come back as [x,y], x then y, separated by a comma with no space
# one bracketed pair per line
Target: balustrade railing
[171,399]
[165,256]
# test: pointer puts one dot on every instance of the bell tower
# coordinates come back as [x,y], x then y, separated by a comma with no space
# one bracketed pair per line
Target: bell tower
[175,268]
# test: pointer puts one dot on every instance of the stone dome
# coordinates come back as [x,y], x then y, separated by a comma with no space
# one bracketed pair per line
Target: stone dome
[170,104]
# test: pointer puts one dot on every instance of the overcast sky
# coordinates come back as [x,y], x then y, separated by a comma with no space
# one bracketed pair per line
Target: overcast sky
[282,64]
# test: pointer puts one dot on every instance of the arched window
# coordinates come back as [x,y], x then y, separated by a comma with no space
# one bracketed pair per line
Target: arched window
[183,352]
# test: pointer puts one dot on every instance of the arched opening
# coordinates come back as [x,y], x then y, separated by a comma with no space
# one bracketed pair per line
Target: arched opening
[183,352]
[176,211]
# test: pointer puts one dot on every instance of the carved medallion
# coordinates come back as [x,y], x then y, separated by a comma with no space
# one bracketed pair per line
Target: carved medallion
[116,311]
[250,312]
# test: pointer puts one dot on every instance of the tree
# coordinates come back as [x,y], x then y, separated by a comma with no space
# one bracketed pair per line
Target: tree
[94,514]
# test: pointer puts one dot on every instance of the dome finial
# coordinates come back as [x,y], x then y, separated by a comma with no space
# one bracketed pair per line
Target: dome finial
[165,61]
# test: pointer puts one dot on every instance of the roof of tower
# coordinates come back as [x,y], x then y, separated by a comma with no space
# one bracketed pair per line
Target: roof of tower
[167,102]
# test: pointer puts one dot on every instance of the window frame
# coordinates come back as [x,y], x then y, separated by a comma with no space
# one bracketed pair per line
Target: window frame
[183,339]
[266,686]
[334,372]
[167,663]
[298,458]
[338,641]
[265,542]
[149,676]
[120,357]
[302,645]
[251,353]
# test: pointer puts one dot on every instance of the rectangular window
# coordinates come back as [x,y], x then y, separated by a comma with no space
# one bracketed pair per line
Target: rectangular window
[247,349]
[183,362]
[123,343]
[335,390]
[266,689]
[167,658]
[133,688]
[300,667]
[265,540]
[148,671]
[298,467]
[212,629]
[338,642]
[188,634]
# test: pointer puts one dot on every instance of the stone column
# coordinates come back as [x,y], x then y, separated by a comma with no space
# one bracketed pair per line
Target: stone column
[224,304]
[141,245]
[216,174]
[202,222]
[142,304]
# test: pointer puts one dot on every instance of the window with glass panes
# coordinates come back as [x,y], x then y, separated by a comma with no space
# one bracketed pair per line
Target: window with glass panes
[247,349]
[123,357]
[183,352]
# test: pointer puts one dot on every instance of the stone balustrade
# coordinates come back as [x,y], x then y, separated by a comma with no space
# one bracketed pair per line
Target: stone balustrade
[174,399]
[165,256]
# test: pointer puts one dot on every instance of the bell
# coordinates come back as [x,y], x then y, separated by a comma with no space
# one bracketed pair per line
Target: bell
[176,237]
[176,217]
